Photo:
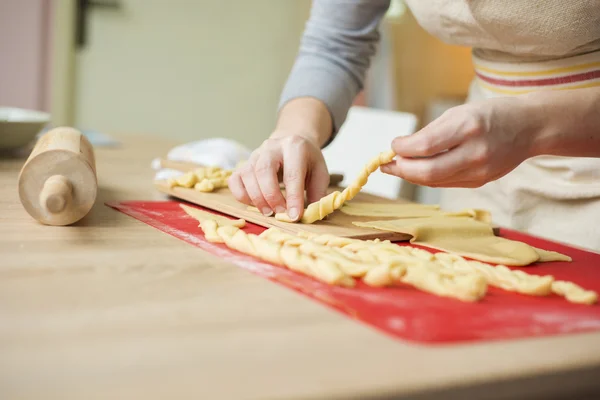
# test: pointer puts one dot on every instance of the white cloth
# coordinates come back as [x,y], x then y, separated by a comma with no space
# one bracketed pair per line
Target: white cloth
[214,152]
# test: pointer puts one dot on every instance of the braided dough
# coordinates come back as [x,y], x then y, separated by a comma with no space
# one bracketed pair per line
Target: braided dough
[277,253]
[466,237]
[340,261]
[498,276]
[334,201]
[206,179]
[574,293]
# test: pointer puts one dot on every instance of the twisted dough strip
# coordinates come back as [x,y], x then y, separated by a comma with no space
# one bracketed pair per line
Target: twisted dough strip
[204,186]
[334,260]
[499,276]
[344,259]
[416,268]
[276,253]
[335,200]
[574,293]
[465,287]
[205,179]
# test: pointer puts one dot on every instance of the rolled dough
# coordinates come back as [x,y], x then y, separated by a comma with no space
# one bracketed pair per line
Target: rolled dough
[410,210]
[466,237]
[339,261]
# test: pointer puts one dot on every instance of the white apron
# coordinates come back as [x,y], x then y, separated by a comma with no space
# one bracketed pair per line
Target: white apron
[522,46]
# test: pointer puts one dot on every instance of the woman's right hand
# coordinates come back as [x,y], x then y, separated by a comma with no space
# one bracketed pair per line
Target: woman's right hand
[299,156]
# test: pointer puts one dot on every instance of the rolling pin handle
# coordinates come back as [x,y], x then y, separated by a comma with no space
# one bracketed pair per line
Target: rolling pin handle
[56,194]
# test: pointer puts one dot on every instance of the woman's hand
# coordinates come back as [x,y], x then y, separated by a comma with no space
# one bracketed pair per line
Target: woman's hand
[256,182]
[469,145]
[303,126]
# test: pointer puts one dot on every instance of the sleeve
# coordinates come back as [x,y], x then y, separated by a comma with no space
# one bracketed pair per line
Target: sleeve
[339,40]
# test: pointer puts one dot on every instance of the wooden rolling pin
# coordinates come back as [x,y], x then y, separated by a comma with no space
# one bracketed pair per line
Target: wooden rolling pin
[58,184]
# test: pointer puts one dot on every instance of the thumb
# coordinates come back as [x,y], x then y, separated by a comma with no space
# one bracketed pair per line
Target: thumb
[440,135]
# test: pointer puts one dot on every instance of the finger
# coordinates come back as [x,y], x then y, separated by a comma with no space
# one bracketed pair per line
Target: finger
[444,133]
[317,182]
[461,184]
[265,169]
[237,188]
[294,176]
[468,184]
[450,183]
[430,171]
[253,190]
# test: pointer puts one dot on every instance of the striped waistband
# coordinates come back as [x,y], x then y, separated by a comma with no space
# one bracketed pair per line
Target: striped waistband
[501,78]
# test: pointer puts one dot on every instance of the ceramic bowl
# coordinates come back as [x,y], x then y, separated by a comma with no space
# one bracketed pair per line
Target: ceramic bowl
[19,127]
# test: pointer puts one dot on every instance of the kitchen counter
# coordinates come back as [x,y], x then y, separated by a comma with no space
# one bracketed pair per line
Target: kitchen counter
[112,308]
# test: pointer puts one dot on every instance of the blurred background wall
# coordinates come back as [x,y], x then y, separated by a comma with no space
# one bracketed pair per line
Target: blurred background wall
[192,69]
[186,69]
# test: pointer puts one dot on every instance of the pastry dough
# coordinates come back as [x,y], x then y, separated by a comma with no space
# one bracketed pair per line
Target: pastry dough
[466,287]
[201,215]
[384,269]
[338,261]
[574,293]
[398,210]
[547,255]
[288,256]
[499,276]
[204,186]
[334,201]
[466,237]
[410,210]
[272,251]
[476,214]
[205,179]
[337,267]
[350,265]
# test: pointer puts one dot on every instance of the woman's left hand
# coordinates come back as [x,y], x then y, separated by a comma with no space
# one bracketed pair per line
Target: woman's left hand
[469,145]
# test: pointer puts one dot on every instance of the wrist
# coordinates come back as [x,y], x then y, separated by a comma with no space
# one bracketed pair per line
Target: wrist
[307,117]
[310,135]
[543,124]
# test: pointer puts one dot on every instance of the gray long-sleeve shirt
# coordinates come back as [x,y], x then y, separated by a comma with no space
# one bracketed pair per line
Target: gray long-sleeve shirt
[339,40]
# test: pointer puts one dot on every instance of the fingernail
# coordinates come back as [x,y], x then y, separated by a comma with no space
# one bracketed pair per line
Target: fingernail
[267,212]
[279,209]
[293,213]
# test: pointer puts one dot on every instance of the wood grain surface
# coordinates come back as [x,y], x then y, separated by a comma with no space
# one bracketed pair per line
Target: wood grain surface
[111,308]
[338,223]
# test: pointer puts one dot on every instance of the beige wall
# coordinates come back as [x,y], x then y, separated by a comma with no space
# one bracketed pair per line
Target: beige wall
[63,63]
[187,69]
[192,69]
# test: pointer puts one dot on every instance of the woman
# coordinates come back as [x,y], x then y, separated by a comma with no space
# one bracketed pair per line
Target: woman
[526,146]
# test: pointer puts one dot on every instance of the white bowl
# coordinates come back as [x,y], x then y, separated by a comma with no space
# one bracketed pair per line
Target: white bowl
[19,127]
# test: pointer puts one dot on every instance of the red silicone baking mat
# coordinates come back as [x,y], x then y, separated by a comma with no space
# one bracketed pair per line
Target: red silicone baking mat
[407,313]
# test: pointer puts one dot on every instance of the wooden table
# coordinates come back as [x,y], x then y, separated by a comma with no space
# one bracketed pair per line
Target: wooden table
[113,308]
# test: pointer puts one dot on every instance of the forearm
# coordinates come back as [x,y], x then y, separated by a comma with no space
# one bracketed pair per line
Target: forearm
[339,40]
[569,122]
[305,116]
